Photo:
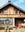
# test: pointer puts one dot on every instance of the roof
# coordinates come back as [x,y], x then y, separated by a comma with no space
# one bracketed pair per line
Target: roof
[11,4]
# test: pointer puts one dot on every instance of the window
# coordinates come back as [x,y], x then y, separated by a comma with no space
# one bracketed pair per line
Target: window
[15,11]
[9,11]
[2,11]
[1,22]
[6,21]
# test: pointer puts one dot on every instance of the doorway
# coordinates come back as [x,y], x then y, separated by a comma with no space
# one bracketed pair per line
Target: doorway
[18,21]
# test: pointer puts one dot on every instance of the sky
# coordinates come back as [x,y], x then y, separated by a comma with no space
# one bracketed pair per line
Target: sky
[19,3]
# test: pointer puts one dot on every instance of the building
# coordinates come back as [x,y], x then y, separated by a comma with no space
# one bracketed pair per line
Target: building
[11,15]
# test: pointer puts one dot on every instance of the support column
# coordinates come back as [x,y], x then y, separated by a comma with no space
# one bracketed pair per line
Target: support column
[13,21]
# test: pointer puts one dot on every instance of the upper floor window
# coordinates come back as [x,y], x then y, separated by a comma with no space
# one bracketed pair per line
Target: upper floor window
[2,11]
[9,11]
[16,11]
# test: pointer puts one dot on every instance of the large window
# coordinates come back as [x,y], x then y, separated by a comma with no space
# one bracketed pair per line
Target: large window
[6,21]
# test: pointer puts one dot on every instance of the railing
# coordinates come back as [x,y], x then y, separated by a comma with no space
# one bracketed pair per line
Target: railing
[12,15]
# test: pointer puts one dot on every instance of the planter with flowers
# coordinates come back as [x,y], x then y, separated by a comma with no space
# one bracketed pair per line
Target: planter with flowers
[7,29]
[10,29]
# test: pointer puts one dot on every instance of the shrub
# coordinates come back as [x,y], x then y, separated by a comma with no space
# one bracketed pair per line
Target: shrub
[2,28]
[11,28]
[7,27]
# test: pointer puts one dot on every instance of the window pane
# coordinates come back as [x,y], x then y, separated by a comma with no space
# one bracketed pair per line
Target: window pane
[2,11]
[16,11]
[10,21]
[6,22]
[2,21]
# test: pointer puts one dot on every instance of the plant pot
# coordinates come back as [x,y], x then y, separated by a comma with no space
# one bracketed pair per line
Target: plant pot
[7,30]
[10,30]
[2,30]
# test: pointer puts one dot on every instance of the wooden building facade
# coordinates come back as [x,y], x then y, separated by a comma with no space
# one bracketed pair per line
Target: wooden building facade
[12,15]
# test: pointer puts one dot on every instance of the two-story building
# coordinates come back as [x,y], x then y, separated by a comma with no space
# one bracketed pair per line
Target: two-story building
[11,15]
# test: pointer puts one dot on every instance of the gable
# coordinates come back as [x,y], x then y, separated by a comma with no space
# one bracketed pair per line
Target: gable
[11,10]
[9,5]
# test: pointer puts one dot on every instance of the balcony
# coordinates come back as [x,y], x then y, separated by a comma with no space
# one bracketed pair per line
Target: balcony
[13,15]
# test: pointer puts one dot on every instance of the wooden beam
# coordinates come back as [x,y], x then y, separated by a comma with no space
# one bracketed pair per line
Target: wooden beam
[16,15]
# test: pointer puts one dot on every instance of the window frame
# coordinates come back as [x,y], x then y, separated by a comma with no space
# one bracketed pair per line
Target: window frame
[7,20]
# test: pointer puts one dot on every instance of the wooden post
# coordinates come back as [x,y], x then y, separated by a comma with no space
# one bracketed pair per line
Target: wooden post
[13,21]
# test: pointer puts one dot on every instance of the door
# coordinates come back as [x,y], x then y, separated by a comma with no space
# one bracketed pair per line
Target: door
[18,21]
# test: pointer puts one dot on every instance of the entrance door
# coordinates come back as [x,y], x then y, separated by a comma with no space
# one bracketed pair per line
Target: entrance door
[18,21]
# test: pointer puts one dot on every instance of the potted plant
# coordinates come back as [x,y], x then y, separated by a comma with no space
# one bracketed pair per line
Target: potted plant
[10,29]
[2,29]
[7,27]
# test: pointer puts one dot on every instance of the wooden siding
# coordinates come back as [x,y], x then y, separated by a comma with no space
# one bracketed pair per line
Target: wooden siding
[6,13]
